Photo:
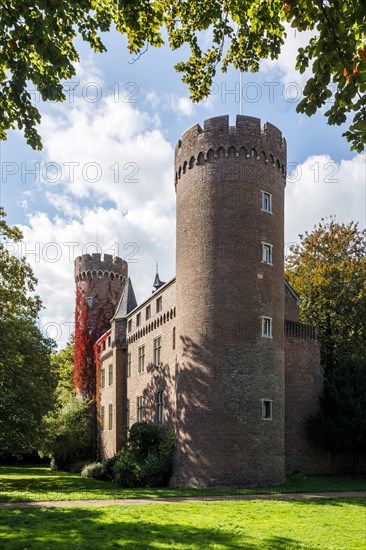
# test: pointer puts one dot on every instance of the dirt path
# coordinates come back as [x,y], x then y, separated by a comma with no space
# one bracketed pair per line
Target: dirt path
[134,502]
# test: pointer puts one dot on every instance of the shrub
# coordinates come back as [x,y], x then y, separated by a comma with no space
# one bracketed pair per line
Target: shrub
[109,465]
[68,436]
[95,470]
[127,470]
[144,439]
[77,467]
[154,471]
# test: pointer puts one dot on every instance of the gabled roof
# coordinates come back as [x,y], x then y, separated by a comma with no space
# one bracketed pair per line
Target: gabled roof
[292,292]
[127,302]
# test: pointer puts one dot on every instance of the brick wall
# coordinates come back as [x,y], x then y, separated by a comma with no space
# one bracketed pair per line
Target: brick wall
[226,367]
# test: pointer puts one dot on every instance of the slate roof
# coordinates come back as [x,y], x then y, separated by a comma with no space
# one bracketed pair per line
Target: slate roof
[127,302]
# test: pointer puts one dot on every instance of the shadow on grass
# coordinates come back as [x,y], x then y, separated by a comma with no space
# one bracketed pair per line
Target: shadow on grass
[130,530]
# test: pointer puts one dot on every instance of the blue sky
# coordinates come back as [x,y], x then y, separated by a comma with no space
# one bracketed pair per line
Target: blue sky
[104,180]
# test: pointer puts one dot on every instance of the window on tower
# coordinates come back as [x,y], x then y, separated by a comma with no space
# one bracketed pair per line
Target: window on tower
[159,304]
[266,202]
[267,409]
[267,253]
[138,319]
[267,327]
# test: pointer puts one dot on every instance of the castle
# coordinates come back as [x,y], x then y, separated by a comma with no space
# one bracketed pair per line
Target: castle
[218,352]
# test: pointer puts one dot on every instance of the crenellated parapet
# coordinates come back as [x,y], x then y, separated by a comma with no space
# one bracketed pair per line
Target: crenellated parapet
[245,142]
[93,266]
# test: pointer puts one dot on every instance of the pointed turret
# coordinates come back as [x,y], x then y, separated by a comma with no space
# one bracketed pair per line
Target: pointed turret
[157,282]
[127,302]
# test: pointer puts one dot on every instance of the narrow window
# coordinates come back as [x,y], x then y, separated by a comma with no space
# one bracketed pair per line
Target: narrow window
[266,409]
[140,408]
[148,312]
[141,358]
[266,202]
[267,253]
[102,417]
[110,417]
[138,319]
[109,341]
[102,378]
[267,327]
[110,375]
[157,350]
[130,325]
[129,364]
[173,343]
[159,304]
[160,407]
[89,301]
[127,413]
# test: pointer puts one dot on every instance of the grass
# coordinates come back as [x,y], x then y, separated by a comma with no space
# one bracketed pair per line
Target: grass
[231,525]
[39,483]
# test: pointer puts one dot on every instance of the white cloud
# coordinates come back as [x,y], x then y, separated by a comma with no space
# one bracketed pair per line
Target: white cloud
[108,171]
[142,238]
[321,187]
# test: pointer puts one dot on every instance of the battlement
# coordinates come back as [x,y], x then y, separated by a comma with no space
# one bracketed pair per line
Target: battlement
[217,140]
[93,265]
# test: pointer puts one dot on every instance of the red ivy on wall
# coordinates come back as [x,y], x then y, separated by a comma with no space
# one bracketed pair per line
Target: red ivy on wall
[83,352]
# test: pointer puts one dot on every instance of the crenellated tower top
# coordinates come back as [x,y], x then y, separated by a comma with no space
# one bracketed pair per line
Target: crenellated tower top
[247,140]
[90,266]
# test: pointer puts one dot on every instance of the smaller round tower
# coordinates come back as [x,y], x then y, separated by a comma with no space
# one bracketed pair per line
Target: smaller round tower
[99,286]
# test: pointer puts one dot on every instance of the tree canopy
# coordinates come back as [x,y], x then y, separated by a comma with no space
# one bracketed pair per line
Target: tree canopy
[328,270]
[341,423]
[27,381]
[37,47]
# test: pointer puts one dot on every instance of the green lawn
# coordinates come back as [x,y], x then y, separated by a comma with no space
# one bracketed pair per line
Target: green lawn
[39,483]
[300,524]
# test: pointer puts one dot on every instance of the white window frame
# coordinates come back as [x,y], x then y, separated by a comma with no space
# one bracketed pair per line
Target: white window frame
[265,402]
[267,253]
[265,323]
[110,374]
[268,196]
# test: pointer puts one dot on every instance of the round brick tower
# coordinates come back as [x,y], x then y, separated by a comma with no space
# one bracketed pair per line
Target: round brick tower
[230,304]
[99,286]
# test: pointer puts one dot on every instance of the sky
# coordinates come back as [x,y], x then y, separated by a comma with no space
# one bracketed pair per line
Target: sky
[104,179]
